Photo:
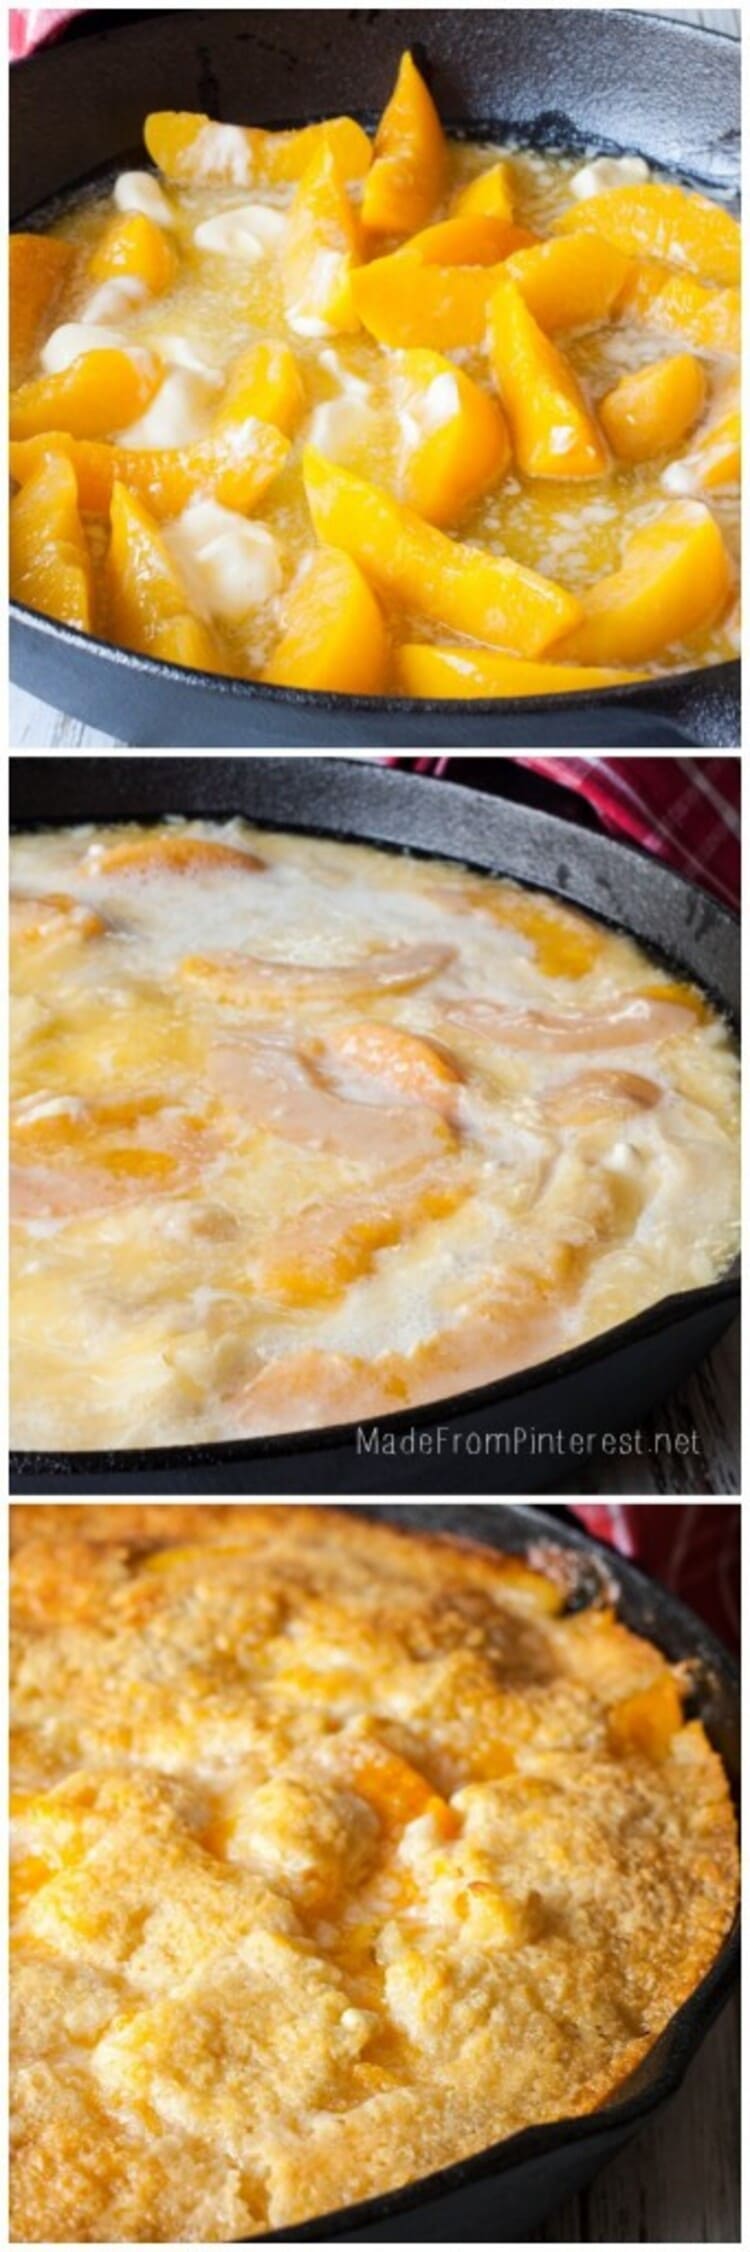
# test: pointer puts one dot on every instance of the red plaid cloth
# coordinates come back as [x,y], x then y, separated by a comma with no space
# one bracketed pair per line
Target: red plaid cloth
[685,810]
[29,27]
[693,1549]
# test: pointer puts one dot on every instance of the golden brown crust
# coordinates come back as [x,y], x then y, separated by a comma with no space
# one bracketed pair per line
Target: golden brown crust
[330,1837]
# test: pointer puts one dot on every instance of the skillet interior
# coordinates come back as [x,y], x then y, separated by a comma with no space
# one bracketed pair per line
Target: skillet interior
[490,71]
[604,1383]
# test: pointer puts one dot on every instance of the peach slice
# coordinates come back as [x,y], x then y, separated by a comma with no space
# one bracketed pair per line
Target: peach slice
[675,576]
[626,1025]
[715,455]
[148,605]
[571,283]
[38,267]
[657,220]
[47,918]
[397,1791]
[436,670]
[249,982]
[445,305]
[468,239]
[135,246]
[489,196]
[279,1091]
[409,159]
[593,1095]
[310,1389]
[486,596]
[458,443]
[401,1060]
[645,1723]
[314,1257]
[321,248]
[651,410]
[334,636]
[553,433]
[50,566]
[100,392]
[265,383]
[236,468]
[101,1153]
[565,943]
[188,146]
[168,852]
[677,305]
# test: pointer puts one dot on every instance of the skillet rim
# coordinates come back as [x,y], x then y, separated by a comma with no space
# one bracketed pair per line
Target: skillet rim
[650,1321]
[725,674]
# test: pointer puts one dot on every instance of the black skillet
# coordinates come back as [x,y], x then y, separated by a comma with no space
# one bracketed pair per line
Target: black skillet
[556,78]
[509,1437]
[504,2194]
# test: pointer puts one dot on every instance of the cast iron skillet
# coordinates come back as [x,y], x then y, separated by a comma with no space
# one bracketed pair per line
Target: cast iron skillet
[504,1435]
[506,2192]
[552,76]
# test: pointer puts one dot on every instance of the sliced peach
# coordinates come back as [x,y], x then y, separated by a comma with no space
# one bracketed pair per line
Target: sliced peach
[322,246]
[553,432]
[101,391]
[309,1389]
[715,455]
[409,159]
[188,146]
[487,596]
[474,239]
[571,283]
[647,1721]
[47,918]
[50,566]
[565,943]
[429,669]
[38,267]
[489,196]
[136,246]
[334,636]
[315,1256]
[443,306]
[675,576]
[148,605]
[458,444]
[247,981]
[279,1091]
[625,1025]
[101,1153]
[169,852]
[398,1792]
[657,220]
[399,1059]
[651,410]
[593,1095]
[265,382]
[236,468]
[678,305]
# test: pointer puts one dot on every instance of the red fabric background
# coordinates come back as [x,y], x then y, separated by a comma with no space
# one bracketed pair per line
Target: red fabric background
[693,1549]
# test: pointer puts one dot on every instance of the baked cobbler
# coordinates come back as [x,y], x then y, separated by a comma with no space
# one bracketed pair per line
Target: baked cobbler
[414,415]
[339,1853]
[304,1131]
